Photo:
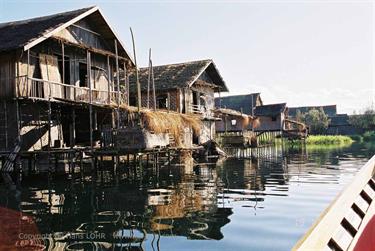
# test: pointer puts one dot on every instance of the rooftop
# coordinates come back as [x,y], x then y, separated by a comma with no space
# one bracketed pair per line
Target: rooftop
[180,75]
[270,110]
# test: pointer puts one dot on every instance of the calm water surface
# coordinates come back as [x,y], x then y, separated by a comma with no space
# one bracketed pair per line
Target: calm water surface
[238,204]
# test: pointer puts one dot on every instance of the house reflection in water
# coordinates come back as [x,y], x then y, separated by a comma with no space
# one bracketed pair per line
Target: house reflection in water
[171,200]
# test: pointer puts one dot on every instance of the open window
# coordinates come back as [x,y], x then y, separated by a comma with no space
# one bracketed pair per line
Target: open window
[273,118]
[162,101]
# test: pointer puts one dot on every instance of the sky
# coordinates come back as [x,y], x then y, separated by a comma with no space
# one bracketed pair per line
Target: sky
[300,52]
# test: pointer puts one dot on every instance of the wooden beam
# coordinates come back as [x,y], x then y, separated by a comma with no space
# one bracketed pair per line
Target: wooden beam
[91,49]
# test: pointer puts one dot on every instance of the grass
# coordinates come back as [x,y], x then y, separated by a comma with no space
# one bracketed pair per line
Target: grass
[329,140]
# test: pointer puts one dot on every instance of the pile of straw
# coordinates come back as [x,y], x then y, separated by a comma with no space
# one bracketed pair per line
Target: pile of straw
[169,122]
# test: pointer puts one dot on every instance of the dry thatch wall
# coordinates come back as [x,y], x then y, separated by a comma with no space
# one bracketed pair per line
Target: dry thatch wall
[161,121]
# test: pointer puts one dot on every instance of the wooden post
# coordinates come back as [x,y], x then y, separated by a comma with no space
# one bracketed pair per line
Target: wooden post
[49,124]
[109,80]
[136,73]
[73,128]
[118,86]
[18,114]
[63,62]
[28,73]
[125,82]
[5,123]
[90,98]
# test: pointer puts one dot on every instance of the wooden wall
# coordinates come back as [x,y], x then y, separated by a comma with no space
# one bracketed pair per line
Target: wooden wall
[226,124]
[7,75]
[266,123]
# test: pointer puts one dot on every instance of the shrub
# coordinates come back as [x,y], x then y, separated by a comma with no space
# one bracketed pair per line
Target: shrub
[328,140]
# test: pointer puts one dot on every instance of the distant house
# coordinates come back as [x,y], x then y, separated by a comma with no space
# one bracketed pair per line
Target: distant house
[271,117]
[187,88]
[241,103]
[340,125]
[329,110]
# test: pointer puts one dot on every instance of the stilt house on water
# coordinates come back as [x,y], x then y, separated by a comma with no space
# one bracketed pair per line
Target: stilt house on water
[58,80]
[184,88]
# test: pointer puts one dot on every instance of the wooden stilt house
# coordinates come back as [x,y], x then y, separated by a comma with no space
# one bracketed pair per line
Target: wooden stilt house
[184,88]
[58,84]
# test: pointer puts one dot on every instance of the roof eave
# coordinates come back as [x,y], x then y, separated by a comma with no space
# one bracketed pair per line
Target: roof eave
[48,34]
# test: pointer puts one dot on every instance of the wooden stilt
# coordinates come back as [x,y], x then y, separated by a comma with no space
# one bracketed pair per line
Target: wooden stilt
[90,99]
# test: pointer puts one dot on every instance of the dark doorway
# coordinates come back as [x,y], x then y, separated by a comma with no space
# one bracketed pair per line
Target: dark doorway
[83,75]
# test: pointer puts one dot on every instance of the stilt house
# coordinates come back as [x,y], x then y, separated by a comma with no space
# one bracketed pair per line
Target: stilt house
[186,88]
[58,84]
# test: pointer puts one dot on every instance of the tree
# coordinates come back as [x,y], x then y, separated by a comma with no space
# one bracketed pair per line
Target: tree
[315,119]
[365,121]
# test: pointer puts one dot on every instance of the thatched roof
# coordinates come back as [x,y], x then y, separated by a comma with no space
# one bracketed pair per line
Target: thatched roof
[173,76]
[329,110]
[270,110]
[27,33]
[246,103]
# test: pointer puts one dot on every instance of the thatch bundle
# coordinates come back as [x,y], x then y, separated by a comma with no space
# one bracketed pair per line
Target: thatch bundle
[168,122]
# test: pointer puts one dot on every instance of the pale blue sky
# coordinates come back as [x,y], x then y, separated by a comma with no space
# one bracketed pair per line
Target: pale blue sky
[299,52]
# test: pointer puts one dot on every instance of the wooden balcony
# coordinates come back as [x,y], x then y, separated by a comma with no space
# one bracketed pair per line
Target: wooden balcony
[33,88]
[202,111]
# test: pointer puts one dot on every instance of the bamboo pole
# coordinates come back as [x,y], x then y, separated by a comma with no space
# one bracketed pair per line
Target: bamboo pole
[153,85]
[149,79]
[136,73]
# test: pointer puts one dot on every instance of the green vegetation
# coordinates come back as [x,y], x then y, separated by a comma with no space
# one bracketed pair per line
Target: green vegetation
[329,140]
[315,119]
[369,136]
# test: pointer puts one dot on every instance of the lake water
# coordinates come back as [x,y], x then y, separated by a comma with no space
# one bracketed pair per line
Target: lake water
[238,204]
